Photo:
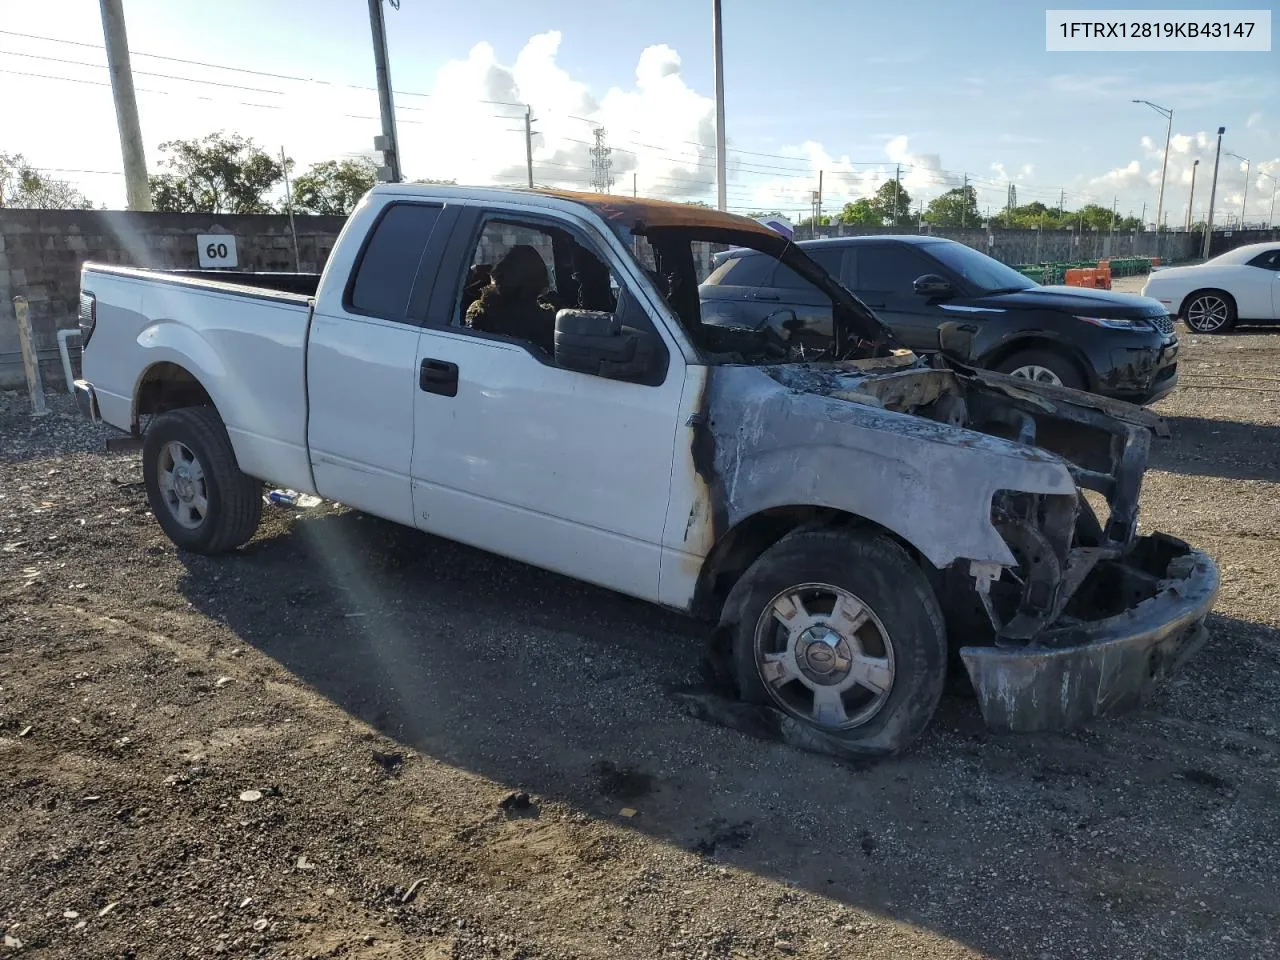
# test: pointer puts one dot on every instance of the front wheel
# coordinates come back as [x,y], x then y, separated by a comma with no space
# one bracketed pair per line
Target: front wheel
[840,630]
[1043,366]
[197,492]
[1209,311]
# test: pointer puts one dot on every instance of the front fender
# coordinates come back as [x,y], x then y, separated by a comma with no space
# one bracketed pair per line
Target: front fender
[930,483]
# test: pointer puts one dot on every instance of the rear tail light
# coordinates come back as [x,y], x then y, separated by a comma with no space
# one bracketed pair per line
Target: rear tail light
[88,317]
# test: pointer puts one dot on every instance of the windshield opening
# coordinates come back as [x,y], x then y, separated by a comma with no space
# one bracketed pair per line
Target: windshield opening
[980,271]
[724,286]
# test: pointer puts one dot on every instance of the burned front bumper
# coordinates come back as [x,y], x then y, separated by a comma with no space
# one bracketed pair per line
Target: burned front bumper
[1083,669]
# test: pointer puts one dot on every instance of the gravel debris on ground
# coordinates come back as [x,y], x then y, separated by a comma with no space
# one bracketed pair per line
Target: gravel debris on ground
[389,751]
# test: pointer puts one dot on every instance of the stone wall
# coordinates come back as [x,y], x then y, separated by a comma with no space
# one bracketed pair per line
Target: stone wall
[41,252]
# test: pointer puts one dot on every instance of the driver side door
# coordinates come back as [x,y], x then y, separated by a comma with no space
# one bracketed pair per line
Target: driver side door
[513,454]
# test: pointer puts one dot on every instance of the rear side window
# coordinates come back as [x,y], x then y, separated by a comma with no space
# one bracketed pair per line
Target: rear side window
[389,264]
[749,271]
[828,258]
[1269,260]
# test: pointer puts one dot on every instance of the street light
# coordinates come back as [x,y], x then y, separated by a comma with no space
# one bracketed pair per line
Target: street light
[1246,183]
[1271,218]
[1192,198]
[1164,164]
[1213,194]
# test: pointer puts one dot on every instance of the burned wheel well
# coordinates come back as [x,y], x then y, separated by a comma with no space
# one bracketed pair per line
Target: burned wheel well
[167,386]
[742,545]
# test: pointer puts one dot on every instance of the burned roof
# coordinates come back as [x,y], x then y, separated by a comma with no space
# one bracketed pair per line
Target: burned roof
[659,213]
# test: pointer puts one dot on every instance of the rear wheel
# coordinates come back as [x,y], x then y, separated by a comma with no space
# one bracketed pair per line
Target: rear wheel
[195,487]
[840,631]
[1043,366]
[1209,311]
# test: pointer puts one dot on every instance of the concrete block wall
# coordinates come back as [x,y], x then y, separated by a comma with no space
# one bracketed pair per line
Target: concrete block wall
[1035,246]
[41,252]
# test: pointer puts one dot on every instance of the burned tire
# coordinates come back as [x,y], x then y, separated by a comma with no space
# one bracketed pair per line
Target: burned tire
[1043,366]
[841,632]
[197,492]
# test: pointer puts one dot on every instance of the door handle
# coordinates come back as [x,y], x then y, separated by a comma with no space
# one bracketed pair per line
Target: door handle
[438,376]
[767,296]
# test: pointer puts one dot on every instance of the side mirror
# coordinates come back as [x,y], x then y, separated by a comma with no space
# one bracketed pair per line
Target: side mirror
[596,342]
[933,286]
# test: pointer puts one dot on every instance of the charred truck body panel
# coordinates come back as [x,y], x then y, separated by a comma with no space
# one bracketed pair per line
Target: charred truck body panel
[846,516]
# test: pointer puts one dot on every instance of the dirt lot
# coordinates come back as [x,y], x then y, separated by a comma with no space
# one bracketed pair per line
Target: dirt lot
[380,692]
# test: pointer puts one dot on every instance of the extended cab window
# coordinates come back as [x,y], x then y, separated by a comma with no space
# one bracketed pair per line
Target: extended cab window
[388,265]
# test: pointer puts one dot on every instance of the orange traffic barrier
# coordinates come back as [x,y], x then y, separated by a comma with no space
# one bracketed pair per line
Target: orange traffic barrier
[1103,277]
[1155,261]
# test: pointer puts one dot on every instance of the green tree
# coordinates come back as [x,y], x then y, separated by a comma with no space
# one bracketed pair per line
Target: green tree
[334,187]
[862,212]
[893,204]
[22,186]
[220,173]
[957,207]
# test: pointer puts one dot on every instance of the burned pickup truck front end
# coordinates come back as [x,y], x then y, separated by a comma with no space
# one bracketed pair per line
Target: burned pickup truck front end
[1021,498]
[1092,615]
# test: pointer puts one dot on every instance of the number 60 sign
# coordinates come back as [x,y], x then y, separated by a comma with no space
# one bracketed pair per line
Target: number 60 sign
[217,250]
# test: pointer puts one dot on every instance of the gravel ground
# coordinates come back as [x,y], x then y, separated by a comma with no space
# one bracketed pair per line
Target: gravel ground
[303,749]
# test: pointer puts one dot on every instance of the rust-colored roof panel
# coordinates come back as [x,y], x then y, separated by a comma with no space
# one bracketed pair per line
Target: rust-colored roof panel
[660,213]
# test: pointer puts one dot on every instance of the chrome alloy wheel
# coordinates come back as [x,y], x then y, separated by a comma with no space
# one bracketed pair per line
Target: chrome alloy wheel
[182,484]
[1037,373]
[824,656]
[1208,313]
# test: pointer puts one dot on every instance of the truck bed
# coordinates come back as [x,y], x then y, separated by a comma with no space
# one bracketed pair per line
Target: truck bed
[242,336]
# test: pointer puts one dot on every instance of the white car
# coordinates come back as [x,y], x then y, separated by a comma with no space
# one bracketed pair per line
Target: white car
[1242,284]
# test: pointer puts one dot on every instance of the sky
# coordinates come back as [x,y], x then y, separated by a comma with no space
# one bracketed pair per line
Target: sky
[857,89]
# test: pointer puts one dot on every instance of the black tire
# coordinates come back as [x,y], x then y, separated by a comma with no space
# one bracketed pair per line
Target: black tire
[878,573]
[1209,311]
[1062,366]
[234,500]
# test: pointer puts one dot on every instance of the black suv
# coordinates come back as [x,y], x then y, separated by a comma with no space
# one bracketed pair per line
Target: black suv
[937,294]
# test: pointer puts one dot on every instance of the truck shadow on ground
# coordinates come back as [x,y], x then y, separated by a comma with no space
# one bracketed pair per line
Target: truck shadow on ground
[562,689]
[1231,449]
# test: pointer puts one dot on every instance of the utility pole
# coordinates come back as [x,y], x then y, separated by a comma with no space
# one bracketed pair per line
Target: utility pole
[818,218]
[1213,195]
[1142,218]
[528,142]
[288,204]
[897,192]
[1062,201]
[634,188]
[1271,218]
[137,187]
[1111,232]
[964,202]
[717,44]
[389,142]
[1192,196]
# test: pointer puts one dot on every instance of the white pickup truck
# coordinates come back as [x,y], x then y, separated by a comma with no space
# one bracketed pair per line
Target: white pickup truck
[527,372]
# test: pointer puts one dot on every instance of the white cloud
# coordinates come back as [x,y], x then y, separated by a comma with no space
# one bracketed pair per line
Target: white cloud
[1254,119]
